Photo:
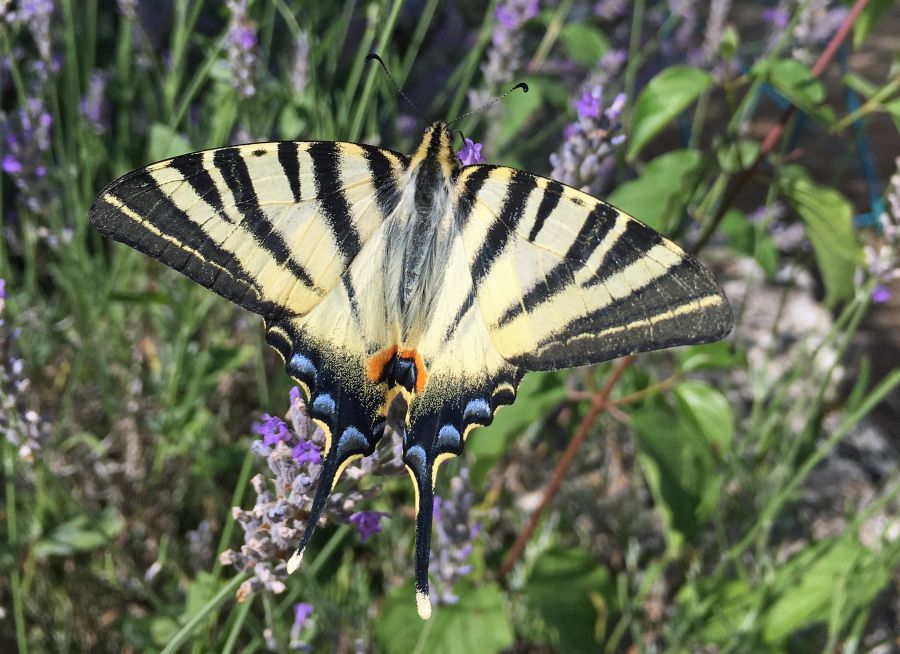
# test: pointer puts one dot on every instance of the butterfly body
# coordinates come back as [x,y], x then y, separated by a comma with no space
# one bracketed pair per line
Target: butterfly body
[411,288]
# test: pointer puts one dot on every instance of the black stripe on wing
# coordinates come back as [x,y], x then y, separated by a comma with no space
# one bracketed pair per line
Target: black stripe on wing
[184,245]
[234,171]
[326,159]
[593,230]
[502,228]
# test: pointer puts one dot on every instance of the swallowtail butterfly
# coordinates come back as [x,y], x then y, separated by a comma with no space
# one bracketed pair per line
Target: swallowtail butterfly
[388,278]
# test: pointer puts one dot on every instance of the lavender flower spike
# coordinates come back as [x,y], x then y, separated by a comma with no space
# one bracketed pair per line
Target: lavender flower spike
[367,523]
[240,48]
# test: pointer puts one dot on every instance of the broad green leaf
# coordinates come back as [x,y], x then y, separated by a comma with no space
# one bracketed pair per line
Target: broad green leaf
[752,239]
[574,595]
[661,189]
[718,355]
[835,575]
[80,534]
[583,43]
[795,81]
[165,142]
[662,100]
[709,411]
[829,224]
[537,394]
[478,623]
[680,470]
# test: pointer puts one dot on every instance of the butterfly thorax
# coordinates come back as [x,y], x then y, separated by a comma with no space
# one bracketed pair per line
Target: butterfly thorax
[419,236]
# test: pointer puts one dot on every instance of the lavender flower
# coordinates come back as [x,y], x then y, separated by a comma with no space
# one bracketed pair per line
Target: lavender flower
[240,48]
[302,613]
[455,534]
[504,57]
[585,158]
[273,526]
[128,9]
[300,69]
[367,523]
[687,12]
[470,153]
[715,29]
[21,424]
[882,252]
[36,16]
[92,105]
[610,10]
[273,430]
[817,22]
[26,137]
[200,545]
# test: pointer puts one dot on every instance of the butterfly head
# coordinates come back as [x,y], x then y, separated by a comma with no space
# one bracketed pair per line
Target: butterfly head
[436,146]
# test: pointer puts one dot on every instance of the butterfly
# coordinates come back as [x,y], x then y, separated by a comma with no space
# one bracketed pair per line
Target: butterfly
[411,285]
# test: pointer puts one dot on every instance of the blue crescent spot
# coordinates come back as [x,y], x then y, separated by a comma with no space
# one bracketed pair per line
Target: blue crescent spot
[324,405]
[303,366]
[352,441]
[449,438]
[477,410]
[416,459]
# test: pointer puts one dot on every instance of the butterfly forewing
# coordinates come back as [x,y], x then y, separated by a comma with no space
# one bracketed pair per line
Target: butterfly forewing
[573,281]
[270,226]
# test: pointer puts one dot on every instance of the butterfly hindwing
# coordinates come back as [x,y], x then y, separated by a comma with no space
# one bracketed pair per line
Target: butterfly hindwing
[562,279]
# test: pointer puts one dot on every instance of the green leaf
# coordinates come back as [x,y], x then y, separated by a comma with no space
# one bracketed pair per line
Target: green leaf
[737,156]
[574,595]
[661,189]
[795,81]
[662,100]
[680,470]
[478,623]
[868,19]
[829,224]
[718,355]
[538,393]
[834,575]
[867,89]
[583,43]
[165,142]
[80,535]
[709,411]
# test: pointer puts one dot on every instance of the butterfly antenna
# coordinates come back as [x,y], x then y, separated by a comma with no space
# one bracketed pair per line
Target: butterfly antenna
[520,85]
[370,57]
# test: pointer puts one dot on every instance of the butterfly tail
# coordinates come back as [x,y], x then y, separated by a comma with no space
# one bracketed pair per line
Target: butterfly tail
[351,445]
[420,468]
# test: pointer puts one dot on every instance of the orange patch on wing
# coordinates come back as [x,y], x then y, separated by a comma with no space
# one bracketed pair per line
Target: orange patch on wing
[421,374]
[376,363]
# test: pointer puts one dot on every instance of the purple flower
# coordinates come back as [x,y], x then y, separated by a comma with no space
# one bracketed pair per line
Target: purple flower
[302,611]
[306,452]
[2,289]
[588,105]
[367,523]
[777,16]
[240,48]
[511,15]
[881,294]
[470,153]
[11,165]
[294,394]
[273,430]
[91,106]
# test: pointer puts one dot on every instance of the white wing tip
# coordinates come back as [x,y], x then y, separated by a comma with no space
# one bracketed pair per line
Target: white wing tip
[294,562]
[423,605]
